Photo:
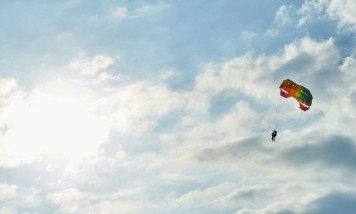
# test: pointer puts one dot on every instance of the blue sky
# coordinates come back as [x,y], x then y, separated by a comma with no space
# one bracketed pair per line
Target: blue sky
[167,107]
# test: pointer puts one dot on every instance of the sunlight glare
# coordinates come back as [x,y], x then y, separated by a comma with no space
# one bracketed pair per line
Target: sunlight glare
[54,125]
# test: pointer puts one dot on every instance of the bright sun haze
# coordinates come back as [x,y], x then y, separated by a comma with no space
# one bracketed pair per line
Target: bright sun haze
[54,124]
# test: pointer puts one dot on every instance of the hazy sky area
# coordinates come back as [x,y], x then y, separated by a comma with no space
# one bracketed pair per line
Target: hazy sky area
[166,107]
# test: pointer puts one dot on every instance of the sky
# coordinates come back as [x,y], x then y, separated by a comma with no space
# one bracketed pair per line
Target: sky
[145,107]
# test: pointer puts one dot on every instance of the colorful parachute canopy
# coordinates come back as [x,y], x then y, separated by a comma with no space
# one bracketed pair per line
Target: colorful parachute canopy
[300,93]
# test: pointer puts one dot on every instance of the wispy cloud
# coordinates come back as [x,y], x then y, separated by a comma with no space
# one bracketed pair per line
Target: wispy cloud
[91,66]
[120,13]
[284,18]
[124,13]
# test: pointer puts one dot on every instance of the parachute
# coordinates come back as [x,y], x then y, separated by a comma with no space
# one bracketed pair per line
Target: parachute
[300,93]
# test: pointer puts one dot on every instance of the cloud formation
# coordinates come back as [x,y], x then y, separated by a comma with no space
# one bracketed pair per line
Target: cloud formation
[339,10]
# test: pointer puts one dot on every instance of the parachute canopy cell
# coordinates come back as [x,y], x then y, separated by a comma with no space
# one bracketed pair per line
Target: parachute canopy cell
[300,93]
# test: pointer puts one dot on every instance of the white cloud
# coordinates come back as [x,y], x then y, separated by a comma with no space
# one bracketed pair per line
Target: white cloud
[209,196]
[67,196]
[226,196]
[7,191]
[171,177]
[32,197]
[5,210]
[246,211]
[133,108]
[121,13]
[282,15]
[144,9]
[283,18]
[310,9]
[74,201]
[168,74]
[344,11]
[225,129]
[92,66]
[106,76]
[7,86]
[340,10]
[108,207]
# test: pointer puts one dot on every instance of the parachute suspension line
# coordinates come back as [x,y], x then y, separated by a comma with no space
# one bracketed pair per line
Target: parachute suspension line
[282,111]
[280,125]
[283,120]
[223,172]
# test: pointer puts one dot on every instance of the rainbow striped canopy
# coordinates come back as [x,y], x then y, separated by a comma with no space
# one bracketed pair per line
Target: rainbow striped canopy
[300,93]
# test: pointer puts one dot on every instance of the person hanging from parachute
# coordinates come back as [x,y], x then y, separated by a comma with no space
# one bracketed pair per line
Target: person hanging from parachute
[274,134]
[288,88]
